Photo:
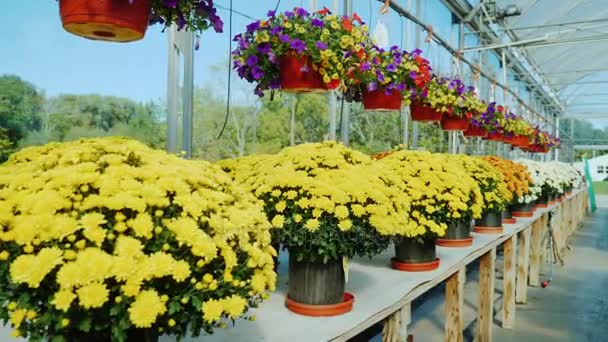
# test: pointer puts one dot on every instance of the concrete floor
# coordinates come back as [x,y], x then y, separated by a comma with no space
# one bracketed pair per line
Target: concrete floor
[573,308]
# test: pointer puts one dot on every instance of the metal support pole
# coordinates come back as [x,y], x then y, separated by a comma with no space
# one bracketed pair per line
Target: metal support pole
[345,127]
[188,91]
[572,139]
[556,132]
[503,148]
[333,101]
[418,44]
[172,90]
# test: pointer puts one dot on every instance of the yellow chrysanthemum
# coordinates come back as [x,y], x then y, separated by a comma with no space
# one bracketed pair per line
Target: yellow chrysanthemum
[92,295]
[146,308]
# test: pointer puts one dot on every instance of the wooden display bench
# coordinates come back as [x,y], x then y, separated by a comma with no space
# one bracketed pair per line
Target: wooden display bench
[385,295]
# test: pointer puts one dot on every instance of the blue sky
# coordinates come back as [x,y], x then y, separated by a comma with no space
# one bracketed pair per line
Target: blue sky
[36,48]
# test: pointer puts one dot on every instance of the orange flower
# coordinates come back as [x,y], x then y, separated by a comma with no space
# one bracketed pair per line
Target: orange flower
[515,175]
[357,18]
[324,11]
[347,24]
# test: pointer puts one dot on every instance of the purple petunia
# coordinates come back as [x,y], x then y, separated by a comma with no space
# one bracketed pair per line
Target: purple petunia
[272,13]
[391,67]
[252,60]
[413,75]
[289,14]
[170,3]
[321,45]
[380,76]
[316,22]
[272,58]
[298,45]
[365,66]
[284,38]
[275,30]
[301,12]
[264,48]
[254,26]
[372,86]
[257,73]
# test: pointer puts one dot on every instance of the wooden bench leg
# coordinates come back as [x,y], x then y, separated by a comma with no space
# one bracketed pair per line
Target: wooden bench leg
[485,310]
[454,293]
[523,262]
[508,295]
[395,325]
[535,251]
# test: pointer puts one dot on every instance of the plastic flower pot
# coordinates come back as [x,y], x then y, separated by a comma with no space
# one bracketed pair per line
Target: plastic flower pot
[422,113]
[110,20]
[133,334]
[507,217]
[523,210]
[508,138]
[494,136]
[378,100]
[414,256]
[490,223]
[317,288]
[542,202]
[451,122]
[458,234]
[521,141]
[297,75]
[475,131]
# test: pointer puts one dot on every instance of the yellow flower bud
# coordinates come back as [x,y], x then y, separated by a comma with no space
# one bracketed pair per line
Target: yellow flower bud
[171,322]
[65,322]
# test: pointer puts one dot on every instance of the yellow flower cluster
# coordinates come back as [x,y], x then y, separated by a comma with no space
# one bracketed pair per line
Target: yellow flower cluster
[109,224]
[516,176]
[320,183]
[439,189]
[440,97]
[489,179]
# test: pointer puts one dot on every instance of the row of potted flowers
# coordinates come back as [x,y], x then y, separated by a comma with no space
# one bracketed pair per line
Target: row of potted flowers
[327,203]
[143,243]
[298,51]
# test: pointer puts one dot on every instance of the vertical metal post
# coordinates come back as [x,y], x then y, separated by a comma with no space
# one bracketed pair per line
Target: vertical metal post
[418,44]
[556,133]
[572,139]
[345,127]
[333,101]
[503,148]
[172,90]
[188,91]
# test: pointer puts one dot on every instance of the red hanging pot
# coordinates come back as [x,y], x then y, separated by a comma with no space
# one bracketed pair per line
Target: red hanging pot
[298,76]
[508,138]
[423,113]
[475,131]
[451,122]
[494,136]
[378,100]
[111,20]
[521,141]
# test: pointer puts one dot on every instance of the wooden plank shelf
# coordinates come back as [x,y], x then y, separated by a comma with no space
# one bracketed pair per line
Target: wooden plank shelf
[385,295]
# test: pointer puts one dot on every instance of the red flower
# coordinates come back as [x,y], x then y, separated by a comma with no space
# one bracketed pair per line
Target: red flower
[501,109]
[469,115]
[357,18]
[347,24]
[324,11]
[333,84]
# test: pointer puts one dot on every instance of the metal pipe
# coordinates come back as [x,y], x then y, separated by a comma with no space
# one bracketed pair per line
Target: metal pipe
[511,44]
[188,92]
[172,91]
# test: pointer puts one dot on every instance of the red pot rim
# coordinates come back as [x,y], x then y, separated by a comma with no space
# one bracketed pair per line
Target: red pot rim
[552,202]
[454,123]
[455,242]
[415,267]
[542,205]
[473,131]
[321,310]
[523,213]
[488,230]
[512,220]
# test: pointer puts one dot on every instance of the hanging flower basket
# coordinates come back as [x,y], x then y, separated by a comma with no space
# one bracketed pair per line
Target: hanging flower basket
[297,75]
[111,20]
[521,141]
[494,136]
[423,113]
[508,139]
[414,256]
[379,100]
[451,122]
[475,131]
[317,288]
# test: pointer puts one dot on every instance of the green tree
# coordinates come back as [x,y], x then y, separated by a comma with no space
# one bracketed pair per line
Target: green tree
[20,104]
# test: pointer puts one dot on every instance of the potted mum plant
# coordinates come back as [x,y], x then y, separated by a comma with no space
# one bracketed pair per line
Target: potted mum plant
[442,197]
[382,79]
[297,51]
[326,203]
[517,180]
[127,20]
[139,243]
[491,185]
[525,206]
[440,96]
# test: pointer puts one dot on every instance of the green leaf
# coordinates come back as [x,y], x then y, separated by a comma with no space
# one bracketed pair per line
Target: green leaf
[174,307]
[85,324]
[58,338]
[197,302]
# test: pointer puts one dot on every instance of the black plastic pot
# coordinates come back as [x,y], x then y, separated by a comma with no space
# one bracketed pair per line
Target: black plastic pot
[412,251]
[490,219]
[506,214]
[133,335]
[316,283]
[543,199]
[523,207]
[458,230]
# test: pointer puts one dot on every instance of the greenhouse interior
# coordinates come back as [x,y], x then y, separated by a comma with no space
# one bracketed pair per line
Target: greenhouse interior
[320,170]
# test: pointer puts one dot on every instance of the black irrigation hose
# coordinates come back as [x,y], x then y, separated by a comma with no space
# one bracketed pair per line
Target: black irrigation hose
[229,74]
